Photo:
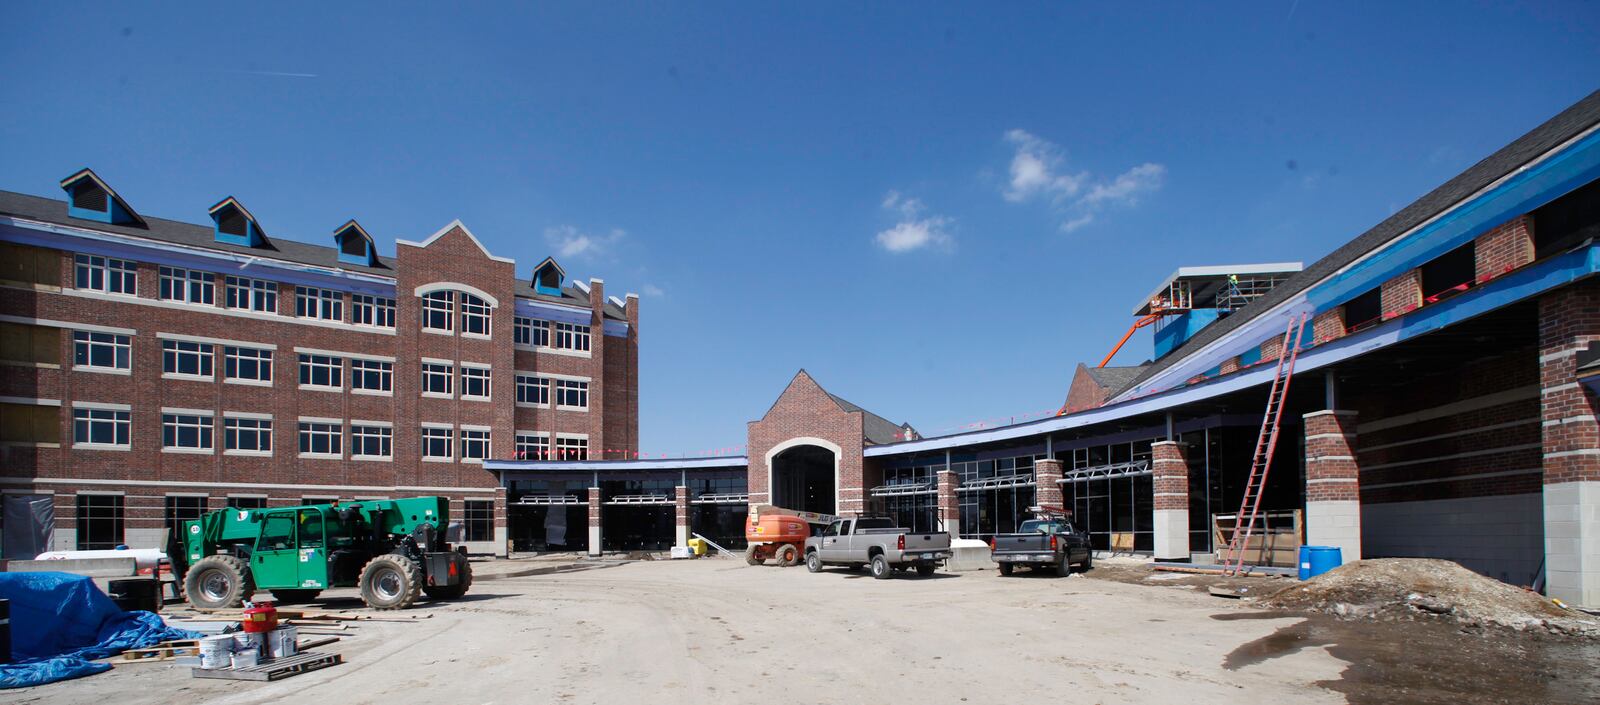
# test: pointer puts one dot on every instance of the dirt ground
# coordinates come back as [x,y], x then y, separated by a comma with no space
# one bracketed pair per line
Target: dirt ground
[690,631]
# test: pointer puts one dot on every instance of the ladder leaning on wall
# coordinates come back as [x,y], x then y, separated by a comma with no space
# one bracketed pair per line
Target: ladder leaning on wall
[1261,461]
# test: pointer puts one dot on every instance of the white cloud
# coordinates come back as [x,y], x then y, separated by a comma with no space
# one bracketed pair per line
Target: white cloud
[571,242]
[1038,171]
[653,291]
[912,232]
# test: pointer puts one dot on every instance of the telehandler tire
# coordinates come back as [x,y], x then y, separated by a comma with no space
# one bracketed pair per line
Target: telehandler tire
[752,555]
[451,592]
[788,555]
[391,582]
[218,583]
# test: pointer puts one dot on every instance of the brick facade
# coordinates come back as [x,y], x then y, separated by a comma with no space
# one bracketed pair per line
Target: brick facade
[1046,481]
[1328,325]
[1331,470]
[805,410]
[1503,249]
[1402,294]
[1169,468]
[1569,320]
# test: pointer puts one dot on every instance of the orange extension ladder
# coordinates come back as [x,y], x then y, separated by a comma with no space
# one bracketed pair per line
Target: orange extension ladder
[1245,521]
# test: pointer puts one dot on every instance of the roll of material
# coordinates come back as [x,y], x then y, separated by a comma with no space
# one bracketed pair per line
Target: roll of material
[282,642]
[216,651]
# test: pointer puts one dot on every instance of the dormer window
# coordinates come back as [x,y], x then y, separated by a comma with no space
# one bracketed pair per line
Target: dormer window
[547,277]
[89,197]
[355,245]
[235,225]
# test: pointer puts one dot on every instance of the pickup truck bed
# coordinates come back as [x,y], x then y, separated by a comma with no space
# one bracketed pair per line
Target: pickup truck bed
[1042,544]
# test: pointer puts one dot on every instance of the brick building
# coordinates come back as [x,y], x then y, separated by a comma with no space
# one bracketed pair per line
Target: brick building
[153,369]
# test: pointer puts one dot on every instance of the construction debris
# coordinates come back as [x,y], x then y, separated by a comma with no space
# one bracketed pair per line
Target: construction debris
[1421,588]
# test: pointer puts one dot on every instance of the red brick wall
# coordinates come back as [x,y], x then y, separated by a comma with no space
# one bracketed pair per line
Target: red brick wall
[1504,248]
[1402,294]
[804,409]
[1084,393]
[1569,320]
[1328,325]
[1331,470]
[1169,465]
[1047,492]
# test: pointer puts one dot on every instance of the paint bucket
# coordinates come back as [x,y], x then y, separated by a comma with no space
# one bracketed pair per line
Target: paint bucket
[216,651]
[249,641]
[246,659]
[281,642]
[1316,560]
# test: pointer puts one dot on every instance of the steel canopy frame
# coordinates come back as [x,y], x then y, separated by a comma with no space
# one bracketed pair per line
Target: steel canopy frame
[1113,471]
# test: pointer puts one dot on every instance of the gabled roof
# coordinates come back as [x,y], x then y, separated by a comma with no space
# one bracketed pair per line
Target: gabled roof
[87,173]
[1115,379]
[234,202]
[456,225]
[876,429]
[550,261]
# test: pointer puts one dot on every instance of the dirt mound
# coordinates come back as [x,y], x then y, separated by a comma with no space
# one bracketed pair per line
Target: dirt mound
[1411,588]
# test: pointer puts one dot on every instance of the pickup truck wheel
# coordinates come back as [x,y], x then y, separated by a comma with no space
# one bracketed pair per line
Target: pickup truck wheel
[880,568]
[1005,568]
[1064,566]
[1088,560]
[925,569]
[813,562]
[787,555]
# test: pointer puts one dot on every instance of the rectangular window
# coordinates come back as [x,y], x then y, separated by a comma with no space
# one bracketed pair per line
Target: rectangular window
[246,436]
[533,390]
[188,286]
[246,364]
[106,274]
[436,443]
[182,509]
[531,332]
[318,438]
[570,336]
[321,371]
[321,304]
[533,446]
[474,444]
[186,432]
[101,351]
[572,394]
[474,382]
[368,310]
[100,427]
[474,315]
[371,442]
[478,517]
[572,448]
[436,310]
[247,294]
[436,378]
[99,522]
[181,357]
[238,502]
[371,375]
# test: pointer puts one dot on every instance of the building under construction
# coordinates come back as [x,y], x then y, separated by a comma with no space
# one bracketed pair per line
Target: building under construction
[1437,401]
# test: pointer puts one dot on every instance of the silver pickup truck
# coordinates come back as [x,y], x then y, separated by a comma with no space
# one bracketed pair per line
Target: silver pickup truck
[876,541]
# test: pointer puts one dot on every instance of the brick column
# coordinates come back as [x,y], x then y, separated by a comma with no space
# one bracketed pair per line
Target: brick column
[1328,325]
[683,516]
[502,541]
[1569,321]
[1046,490]
[949,502]
[1333,483]
[1170,481]
[1504,249]
[594,521]
[1401,294]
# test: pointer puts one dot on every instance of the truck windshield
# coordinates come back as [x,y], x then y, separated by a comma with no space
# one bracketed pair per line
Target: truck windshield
[874,523]
[1038,526]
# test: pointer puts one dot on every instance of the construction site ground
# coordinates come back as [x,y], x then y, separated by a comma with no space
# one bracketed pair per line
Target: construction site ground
[694,631]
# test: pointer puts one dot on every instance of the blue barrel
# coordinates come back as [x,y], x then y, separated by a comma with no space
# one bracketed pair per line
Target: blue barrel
[1316,560]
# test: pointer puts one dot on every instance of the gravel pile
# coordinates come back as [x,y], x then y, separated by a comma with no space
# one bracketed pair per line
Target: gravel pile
[1421,588]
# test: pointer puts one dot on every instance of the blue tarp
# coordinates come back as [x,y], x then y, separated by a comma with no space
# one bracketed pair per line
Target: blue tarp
[60,623]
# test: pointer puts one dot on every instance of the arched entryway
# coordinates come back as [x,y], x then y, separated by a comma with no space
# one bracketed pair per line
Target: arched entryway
[804,477]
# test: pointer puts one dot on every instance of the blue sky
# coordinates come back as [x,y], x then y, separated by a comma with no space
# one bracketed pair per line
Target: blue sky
[937,211]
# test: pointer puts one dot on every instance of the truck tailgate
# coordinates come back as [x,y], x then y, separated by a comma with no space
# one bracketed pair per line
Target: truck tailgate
[1021,543]
[927,542]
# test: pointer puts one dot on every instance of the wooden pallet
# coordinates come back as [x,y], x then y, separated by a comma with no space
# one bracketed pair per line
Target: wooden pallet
[164,651]
[274,669]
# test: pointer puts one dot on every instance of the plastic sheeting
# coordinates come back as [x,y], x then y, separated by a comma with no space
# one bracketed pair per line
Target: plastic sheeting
[61,622]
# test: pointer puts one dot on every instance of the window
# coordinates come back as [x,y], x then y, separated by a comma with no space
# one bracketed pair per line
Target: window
[321,371]
[436,378]
[1364,311]
[106,274]
[187,432]
[436,310]
[572,448]
[533,446]
[1449,274]
[530,332]
[474,315]
[277,532]
[436,442]
[181,357]
[101,351]
[571,394]
[321,304]
[368,310]
[371,375]
[321,438]
[478,517]
[248,294]
[474,382]
[246,364]
[246,436]
[182,509]
[99,522]
[570,336]
[100,427]
[372,442]
[533,390]
[474,443]
[238,502]
[188,286]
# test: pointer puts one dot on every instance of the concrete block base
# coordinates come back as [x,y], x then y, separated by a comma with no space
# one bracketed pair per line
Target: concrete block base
[594,540]
[1572,542]
[502,547]
[64,539]
[1335,523]
[969,554]
[1171,534]
[683,537]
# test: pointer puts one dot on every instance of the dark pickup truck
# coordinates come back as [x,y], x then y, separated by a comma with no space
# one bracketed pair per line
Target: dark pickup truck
[1043,543]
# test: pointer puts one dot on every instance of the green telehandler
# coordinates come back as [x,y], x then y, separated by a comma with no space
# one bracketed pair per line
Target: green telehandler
[391,549]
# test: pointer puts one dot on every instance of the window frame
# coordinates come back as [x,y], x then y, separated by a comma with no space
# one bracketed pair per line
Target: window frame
[257,295]
[202,424]
[476,311]
[438,370]
[173,353]
[309,364]
[372,311]
[383,370]
[186,286]
[475,438]
[234,359]
[315,303]
[438,307]
[85,342]
[236,427]
[533,445]
[442,434]
[87,516]
[530,333]
[331,431]
[120,421]
[364,432]
[576,337]
[537,386]
[566,443]
[477,518]
[479,372]
[118,277]
[562,387]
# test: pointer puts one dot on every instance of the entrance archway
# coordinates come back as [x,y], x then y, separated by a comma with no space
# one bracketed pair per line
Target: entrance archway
[804,478]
